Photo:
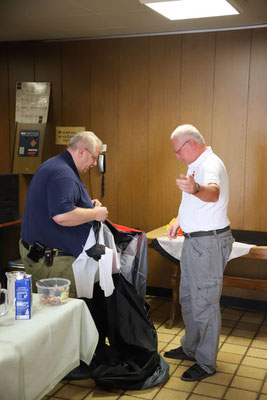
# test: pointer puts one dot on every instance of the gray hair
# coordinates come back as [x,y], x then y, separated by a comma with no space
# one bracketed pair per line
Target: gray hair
[85,138]
[189,132]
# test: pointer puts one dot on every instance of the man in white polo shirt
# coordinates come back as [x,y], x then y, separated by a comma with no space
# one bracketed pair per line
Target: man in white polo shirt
[207,245]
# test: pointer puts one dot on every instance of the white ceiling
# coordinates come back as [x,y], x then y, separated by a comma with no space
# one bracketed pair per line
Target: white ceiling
[77,19]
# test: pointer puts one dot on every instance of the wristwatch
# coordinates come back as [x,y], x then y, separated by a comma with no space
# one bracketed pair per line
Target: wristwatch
[197,188]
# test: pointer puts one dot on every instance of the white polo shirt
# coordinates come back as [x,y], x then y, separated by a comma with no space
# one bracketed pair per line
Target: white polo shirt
[195,214]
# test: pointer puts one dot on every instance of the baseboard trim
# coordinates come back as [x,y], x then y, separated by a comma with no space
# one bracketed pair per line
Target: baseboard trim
[247,304]
[159,292]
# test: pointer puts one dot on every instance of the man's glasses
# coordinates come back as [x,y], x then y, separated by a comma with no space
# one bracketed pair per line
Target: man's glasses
[178,151]
[93,157]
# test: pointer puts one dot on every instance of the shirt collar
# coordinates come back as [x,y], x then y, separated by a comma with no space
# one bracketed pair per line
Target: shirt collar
[67,157]
[201,158]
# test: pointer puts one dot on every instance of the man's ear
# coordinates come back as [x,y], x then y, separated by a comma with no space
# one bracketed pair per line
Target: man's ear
[193,144]
[81,150]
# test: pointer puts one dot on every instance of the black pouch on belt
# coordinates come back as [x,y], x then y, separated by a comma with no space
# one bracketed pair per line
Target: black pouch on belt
[36,252]
[49,255]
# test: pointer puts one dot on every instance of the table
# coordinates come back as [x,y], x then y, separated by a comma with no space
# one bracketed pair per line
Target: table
[254,252]
[36,354]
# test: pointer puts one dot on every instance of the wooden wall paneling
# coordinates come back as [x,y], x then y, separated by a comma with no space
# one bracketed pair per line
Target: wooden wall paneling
[133,132]
[230,113]
[198,54]
[5,159]
[163,168]
[255,215]
[21,68]
[48,69]
[76,83]
[104,118]
[76,87]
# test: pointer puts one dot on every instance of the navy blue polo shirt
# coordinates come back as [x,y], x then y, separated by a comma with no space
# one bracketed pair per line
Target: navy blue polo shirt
[56,188]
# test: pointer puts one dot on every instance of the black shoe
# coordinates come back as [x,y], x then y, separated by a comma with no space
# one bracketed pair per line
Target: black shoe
[195,373]
[83,371]
[178,354]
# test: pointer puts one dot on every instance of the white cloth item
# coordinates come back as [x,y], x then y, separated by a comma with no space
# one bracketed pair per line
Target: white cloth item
[105,272]
[36,354]
[174,247]
[87,271]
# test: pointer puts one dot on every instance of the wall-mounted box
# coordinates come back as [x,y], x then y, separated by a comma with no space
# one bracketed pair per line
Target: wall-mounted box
[28,147]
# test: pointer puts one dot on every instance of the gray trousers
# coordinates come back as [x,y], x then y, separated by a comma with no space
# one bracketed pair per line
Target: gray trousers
[202,265]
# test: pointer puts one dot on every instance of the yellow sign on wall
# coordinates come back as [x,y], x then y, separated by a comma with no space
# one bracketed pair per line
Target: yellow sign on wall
[65,133]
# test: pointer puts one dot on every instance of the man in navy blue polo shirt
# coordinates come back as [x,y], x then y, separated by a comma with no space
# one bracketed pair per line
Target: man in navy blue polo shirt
[59,212]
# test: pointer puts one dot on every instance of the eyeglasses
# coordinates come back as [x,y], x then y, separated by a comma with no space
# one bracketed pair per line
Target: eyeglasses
[178,151]
[95,158]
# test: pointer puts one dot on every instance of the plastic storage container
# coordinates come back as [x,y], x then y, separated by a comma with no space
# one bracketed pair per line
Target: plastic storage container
[53,291]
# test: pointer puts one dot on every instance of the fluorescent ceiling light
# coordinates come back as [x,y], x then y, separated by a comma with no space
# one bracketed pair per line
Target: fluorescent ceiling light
[189,9]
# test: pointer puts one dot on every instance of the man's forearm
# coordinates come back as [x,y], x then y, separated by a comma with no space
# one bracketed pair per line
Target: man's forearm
[208,193]
[76,217]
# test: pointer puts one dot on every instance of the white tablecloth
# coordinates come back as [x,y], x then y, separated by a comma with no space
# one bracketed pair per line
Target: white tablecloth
[174,247]
[36,354]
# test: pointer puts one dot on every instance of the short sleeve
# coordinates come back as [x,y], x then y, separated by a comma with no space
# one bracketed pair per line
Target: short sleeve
[211,173]
[63,194]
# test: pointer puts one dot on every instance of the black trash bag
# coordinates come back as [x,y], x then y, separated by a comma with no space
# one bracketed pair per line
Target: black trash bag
[127,375]
[128,241]
[130,359]
[96,251]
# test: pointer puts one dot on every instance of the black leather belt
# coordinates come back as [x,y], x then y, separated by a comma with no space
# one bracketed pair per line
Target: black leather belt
[55,251]
[206,233]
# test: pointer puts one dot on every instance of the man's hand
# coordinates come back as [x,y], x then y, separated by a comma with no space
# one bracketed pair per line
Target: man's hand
[101,213]
[173,229]
[96,203]
[186,183]
[208,193]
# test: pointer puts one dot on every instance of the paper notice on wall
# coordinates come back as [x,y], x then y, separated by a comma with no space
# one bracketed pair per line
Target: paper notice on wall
[32,102]
[65,133]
